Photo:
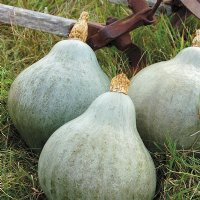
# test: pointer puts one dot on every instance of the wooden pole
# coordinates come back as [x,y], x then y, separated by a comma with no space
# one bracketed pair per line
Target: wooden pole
[35,20]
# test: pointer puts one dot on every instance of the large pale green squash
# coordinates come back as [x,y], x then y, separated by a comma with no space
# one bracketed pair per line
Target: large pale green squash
[55,90]
[98,155]
[167,101]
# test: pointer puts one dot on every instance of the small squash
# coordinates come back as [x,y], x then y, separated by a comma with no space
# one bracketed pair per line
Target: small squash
[99,155]
[57,88]
[167,100]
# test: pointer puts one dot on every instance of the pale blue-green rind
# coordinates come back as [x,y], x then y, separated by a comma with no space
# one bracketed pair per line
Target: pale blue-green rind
[166,96]
[55,90]
[98,156]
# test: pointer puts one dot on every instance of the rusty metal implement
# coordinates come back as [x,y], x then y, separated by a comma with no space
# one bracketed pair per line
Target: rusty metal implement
[114,32]
[181,9]
[116,28]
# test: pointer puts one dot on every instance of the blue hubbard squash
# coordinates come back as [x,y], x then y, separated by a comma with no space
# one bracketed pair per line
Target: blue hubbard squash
[99,155]
[167,100]
[57,88]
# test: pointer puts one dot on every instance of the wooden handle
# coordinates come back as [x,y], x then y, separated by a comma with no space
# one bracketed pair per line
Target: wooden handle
[35,20]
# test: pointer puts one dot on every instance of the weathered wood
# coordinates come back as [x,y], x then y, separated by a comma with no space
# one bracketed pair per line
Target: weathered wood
[35,20]
[118,1]
[150,2]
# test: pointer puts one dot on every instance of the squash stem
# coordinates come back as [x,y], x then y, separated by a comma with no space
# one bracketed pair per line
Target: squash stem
[80,29]
[120,83]
[196,40]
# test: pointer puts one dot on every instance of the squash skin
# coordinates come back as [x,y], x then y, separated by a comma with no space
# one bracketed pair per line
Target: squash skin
[166,96]
[55,90]
[98,155]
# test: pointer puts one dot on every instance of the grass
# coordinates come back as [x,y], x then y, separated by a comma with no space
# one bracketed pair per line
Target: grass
[178,171]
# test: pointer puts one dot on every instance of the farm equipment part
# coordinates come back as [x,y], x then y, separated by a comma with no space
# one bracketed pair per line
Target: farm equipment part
[114,32]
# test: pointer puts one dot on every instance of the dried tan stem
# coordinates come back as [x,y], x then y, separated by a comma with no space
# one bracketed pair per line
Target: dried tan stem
[196,40]
[120,83]
[80,29]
